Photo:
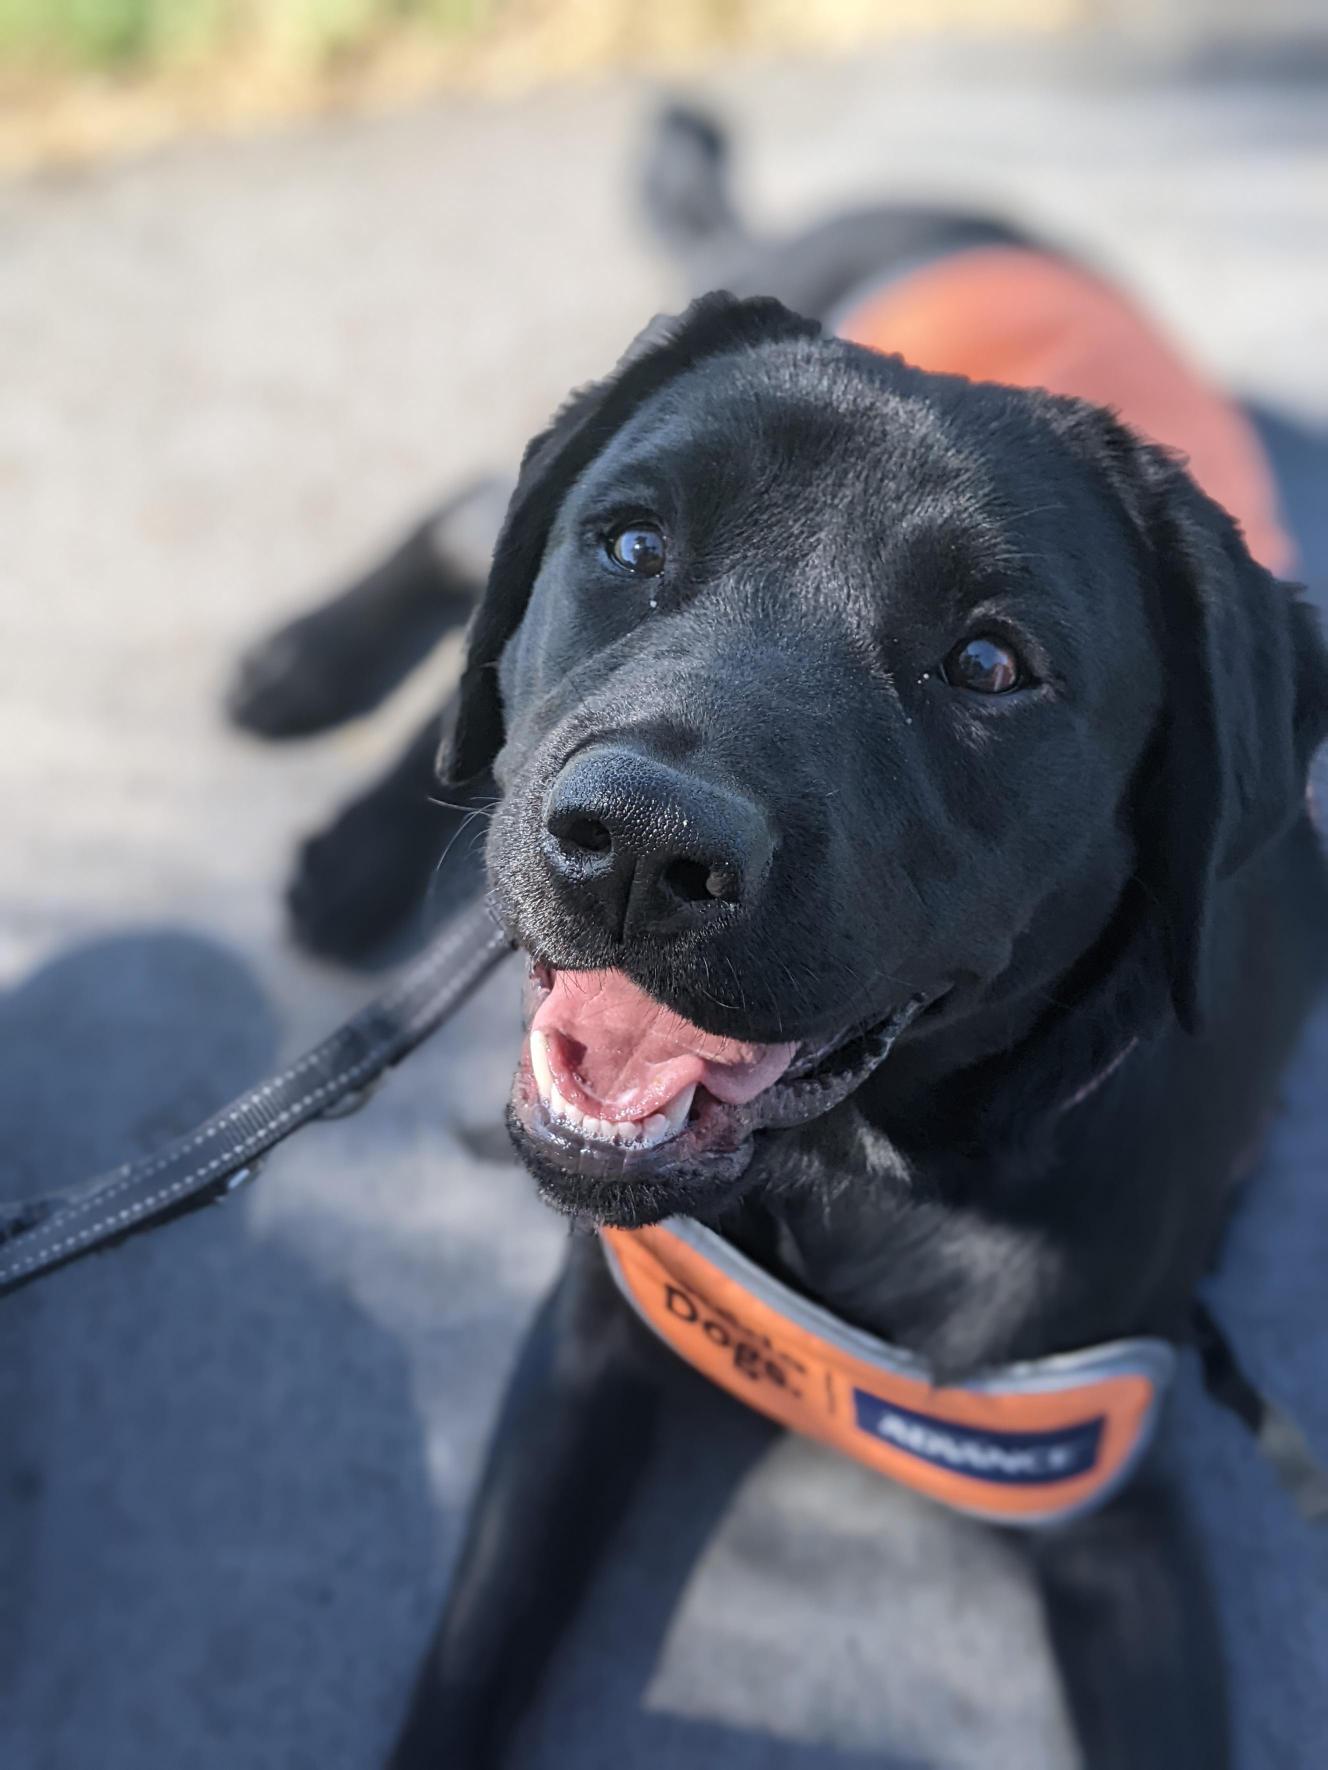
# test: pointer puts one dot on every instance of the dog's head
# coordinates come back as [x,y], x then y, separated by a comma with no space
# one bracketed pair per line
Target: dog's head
[824,692]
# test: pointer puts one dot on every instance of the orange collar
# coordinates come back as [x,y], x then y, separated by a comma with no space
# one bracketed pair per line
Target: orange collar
[1025,1444]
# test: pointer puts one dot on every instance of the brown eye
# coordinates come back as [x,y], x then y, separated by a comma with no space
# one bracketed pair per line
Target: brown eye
[638,548]
[984,666]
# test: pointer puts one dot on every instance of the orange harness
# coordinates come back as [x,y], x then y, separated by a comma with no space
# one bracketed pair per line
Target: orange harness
[1029,319]
[1024,1444]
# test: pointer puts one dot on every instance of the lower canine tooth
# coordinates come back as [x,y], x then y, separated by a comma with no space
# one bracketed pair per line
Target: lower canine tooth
[675,1113]
[539,1065]
[655,1129]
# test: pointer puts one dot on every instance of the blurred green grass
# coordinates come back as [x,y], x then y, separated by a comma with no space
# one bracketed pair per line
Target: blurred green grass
[147,36]
[80,79]
[132,34]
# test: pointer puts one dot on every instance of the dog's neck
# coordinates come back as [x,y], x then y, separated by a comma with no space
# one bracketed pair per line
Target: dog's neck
[907,1210]
[1000,1074]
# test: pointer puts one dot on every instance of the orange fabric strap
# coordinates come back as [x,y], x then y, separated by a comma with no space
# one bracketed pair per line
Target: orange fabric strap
[1028,319]
[1025,1444]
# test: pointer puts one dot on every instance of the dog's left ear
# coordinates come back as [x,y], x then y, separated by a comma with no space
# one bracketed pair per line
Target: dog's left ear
[1246,705]
[714,325]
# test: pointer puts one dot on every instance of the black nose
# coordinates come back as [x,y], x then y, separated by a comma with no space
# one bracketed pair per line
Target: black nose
[649,846]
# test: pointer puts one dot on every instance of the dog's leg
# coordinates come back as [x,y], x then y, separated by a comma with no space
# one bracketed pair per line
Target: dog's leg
[344,658]
[358,881]
[1135,1635]
[572,1437]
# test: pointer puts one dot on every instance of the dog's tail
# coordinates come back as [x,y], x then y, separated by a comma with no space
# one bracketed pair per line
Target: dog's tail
[685,188]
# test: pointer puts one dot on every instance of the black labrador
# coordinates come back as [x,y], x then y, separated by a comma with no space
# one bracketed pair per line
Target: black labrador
[801,708]
[813,685]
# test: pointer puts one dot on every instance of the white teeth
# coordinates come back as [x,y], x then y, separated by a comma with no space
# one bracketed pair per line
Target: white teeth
[633,1133]
[660,1126]
[677,1109]
[654,1130]
[539,1063]
[563,1109]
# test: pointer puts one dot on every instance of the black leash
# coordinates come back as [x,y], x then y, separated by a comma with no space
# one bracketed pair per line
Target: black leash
[211,1162]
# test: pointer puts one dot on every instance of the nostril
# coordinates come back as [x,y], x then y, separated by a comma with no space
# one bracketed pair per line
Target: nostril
[587,834]
[686,879]
[723,884]
[695,881]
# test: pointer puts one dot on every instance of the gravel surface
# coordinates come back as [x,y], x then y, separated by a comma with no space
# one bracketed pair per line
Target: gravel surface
[233,1455]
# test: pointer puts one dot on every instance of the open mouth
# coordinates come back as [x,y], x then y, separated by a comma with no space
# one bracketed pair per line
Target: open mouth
[614,1089]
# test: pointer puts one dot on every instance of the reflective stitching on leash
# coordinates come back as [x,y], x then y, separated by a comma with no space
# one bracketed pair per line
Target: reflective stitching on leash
[213,1165]
[131,1173]
[131,1169]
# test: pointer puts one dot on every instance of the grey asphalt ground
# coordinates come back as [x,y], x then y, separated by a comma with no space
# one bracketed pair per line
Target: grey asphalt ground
[233,1456]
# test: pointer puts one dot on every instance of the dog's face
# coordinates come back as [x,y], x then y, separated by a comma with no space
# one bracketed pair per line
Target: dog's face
[827,689]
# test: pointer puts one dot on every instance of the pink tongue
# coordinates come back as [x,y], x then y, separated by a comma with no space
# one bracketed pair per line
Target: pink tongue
[633,1057]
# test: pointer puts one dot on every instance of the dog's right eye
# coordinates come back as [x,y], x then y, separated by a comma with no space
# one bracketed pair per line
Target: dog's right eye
[984,665]
[638,548]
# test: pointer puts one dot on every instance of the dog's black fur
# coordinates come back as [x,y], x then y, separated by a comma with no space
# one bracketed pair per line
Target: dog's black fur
[1116,851]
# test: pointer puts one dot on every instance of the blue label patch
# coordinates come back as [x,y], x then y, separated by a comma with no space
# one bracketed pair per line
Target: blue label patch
[1012,1458]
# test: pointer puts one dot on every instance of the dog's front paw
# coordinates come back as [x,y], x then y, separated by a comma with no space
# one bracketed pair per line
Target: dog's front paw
[344,658]
[377,868]
[358,883]
[305,678]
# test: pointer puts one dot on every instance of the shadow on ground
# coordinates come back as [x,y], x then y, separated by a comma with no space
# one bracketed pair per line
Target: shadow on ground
[212,1464]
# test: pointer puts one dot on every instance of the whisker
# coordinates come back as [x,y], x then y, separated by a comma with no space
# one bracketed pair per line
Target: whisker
[485,809]
[466,824]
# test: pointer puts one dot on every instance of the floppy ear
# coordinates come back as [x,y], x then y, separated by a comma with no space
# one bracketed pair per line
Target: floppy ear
[714,325]
[1246,706]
